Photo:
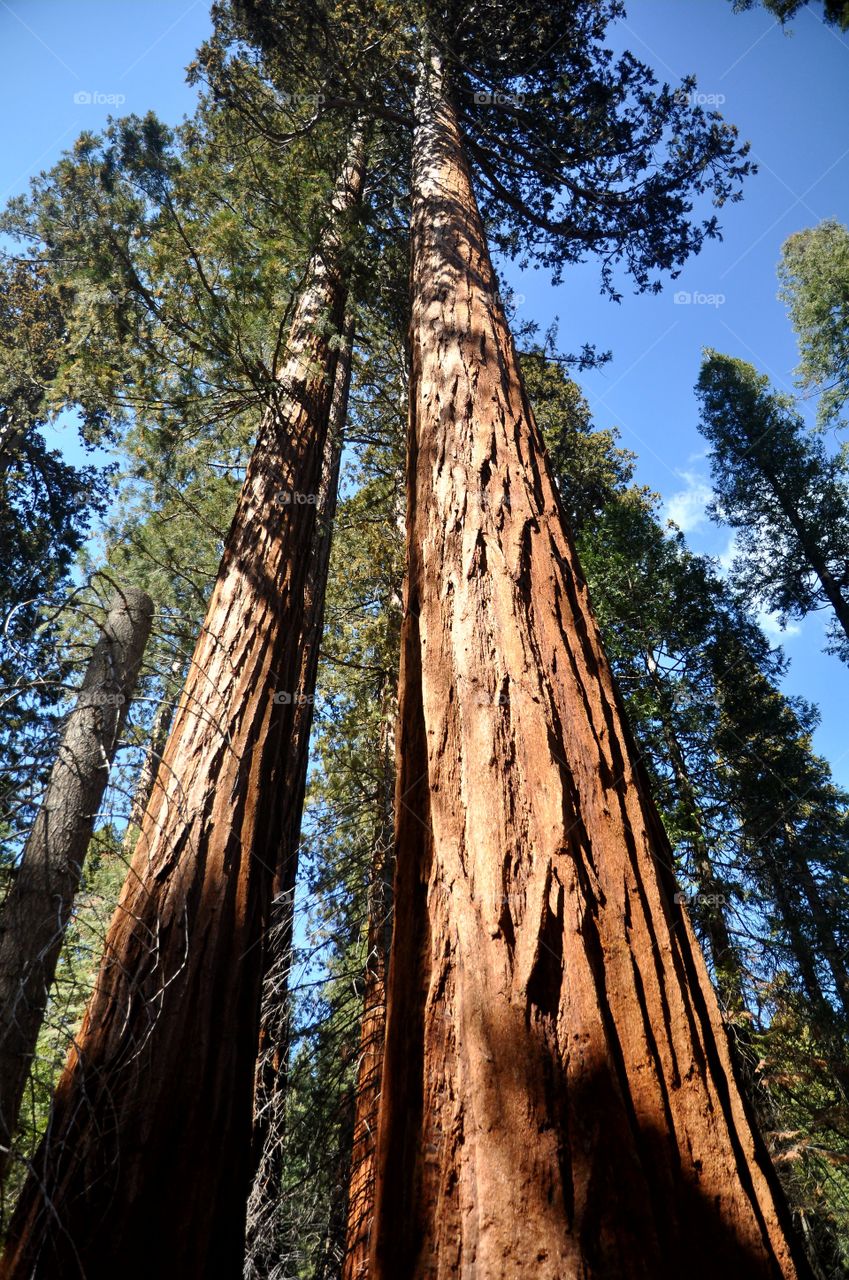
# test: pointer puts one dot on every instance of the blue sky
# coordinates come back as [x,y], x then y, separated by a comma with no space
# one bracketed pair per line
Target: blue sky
[69,65]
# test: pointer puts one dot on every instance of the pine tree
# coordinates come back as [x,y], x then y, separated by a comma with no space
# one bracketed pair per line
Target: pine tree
[785,497]
[46,509]
[814,276]
[835,12]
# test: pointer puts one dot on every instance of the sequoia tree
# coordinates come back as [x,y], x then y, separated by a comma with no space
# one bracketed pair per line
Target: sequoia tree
[274,1040]
[145,1166]
[558,1096]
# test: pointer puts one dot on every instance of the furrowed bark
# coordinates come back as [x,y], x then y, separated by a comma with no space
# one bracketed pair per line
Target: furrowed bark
[37,910]
[558,1098]
[274,1039]
[145,1168]
[361,1182]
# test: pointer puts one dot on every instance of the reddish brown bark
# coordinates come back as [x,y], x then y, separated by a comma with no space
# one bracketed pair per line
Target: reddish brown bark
[145,1167]
[558,1099]
[361,1181]
[274,1039]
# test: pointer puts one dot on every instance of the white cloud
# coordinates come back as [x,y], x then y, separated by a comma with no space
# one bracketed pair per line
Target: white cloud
[770,625]
[726,557]
[768,622]
[687,506]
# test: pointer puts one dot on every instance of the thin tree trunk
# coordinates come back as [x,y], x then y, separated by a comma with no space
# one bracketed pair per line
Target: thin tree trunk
[796,914]
[361,1182]
[274,1039]
[819,914]
[37,910]
[558,1097]
[145,1168]
[726,961]
[811,551]
[800,947]
[147,774]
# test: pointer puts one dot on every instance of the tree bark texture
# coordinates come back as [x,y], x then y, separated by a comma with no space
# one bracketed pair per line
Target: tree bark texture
[37,910]
[274,1038]
[145,1168]
[558,1098]
[361,1180]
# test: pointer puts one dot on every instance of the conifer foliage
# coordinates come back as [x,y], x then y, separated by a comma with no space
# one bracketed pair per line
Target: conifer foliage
[484,901]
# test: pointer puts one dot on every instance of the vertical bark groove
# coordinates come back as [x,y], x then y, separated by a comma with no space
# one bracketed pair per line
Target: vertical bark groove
[558,1096]
[361,1182]
[145,1168]
[274,1041]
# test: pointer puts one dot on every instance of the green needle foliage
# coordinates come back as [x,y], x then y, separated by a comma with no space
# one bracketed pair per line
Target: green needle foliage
[784,495]
[835,12]
[814,277]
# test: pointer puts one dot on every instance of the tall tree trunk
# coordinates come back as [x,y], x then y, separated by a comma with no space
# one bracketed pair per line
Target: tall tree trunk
[145,1168]
[361,1182]
[37,910]
[786,871]
[558,1098]
[820,917]
[147,774]
[274,1039]
[811,550]
[723,952]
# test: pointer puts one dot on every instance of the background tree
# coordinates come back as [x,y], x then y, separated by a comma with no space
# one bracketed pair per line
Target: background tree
[39,903]
[785,497]
[47,507]
[814,276]
[834,11]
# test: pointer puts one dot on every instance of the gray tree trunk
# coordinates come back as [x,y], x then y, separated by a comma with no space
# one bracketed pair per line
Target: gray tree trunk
[36,912]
